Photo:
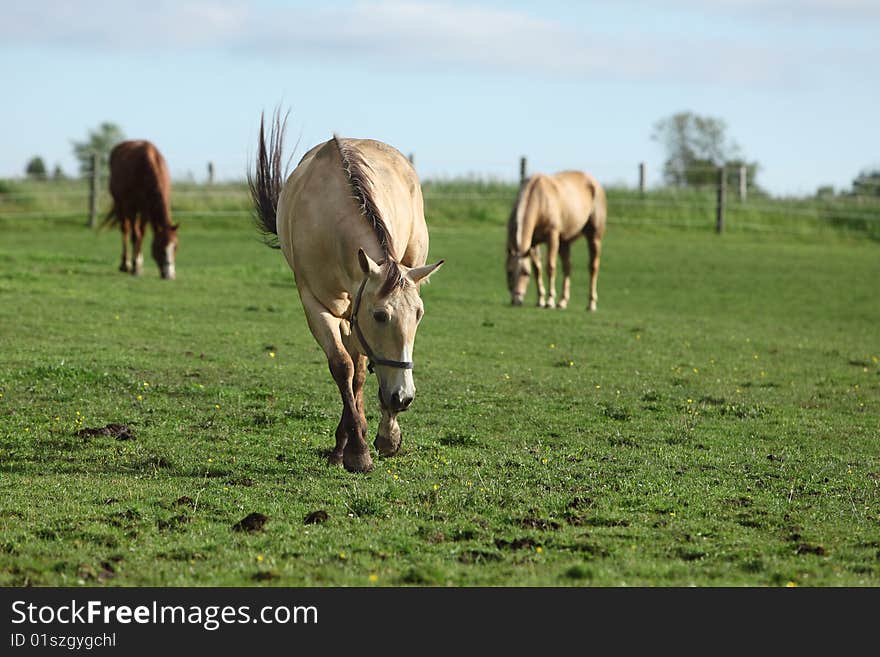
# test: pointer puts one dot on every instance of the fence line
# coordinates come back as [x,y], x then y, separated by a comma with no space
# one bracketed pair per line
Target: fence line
[715,198]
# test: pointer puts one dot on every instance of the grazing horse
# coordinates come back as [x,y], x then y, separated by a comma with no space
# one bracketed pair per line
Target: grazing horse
[350,222]
[555,210]
[141,189]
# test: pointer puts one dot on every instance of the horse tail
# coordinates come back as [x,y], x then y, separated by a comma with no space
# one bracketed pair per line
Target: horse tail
[266,183]
[599,214]
[110,219]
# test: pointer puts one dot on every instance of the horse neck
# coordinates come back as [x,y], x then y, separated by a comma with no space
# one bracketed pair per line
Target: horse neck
[526,218]
[160,214]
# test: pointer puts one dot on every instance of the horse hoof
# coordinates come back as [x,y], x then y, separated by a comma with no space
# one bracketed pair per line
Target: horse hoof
[386,446]
[357,462]
[591,308]
[334,457]
[562,305]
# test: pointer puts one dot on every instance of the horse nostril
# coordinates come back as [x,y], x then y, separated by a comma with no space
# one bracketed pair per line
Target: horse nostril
[399,403]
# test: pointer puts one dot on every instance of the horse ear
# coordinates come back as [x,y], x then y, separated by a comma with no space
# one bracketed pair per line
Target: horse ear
[368,265]
[417,274]
[175,226]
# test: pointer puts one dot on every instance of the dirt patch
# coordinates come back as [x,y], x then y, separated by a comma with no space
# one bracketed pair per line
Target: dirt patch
[515,544]
[316,517]
[241,481]
[113,430]
[539,523]
[265,576]
[806,548]
[580,503]
[102,573]
[185,500]
[251,523]
[605,522]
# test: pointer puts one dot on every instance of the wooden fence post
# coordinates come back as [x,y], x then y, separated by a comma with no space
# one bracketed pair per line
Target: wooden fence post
[719,208]
[93,192]
[641,177]
[210,173]
[743,182]
[522,169]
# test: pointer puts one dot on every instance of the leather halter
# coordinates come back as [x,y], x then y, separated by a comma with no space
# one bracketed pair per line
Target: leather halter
[372,358]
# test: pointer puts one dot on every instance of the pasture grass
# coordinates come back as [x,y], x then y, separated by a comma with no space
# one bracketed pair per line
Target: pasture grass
[715,423]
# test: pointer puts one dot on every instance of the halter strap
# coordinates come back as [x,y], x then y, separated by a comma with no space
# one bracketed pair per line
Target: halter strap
[372,358]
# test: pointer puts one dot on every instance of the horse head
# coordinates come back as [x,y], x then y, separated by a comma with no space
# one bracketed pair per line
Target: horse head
[165,249]
[385,316]
[518,272]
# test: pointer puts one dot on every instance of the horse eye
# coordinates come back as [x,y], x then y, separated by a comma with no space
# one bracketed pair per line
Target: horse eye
[380,316]
[419,313]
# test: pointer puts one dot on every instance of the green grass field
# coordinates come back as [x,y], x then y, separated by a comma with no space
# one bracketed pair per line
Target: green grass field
[715,423]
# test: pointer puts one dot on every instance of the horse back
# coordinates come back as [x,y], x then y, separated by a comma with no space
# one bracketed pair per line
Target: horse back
[139,176]
[582,203]
[321,224]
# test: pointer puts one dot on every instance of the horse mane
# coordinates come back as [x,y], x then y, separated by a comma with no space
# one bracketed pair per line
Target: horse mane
[517,214]
[356,170]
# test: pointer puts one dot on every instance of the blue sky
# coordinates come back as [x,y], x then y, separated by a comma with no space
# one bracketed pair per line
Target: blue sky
[466,86]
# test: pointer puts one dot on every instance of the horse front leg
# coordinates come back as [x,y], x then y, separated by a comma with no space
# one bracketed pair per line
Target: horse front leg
[388,437]
[351,446]
[552,253]
[535,257]
[565,255]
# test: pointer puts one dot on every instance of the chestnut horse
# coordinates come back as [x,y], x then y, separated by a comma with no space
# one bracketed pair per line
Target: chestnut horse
[350,222]
[555,210]
[141,189]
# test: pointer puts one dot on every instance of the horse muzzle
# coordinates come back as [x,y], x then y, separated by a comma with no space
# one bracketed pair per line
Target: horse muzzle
[397,402]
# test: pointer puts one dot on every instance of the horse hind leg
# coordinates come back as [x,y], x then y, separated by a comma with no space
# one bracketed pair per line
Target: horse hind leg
[594,242]
[552,252]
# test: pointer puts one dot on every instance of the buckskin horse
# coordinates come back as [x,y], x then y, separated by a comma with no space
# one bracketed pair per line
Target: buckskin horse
[141,189]
[350,222]
[555,210]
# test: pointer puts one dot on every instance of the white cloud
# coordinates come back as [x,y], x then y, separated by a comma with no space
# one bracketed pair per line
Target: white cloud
[408,35]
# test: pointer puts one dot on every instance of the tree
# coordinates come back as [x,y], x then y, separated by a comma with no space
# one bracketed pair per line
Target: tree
[695,147]
[100,141]
[58,173]
[36,168]
[867,183]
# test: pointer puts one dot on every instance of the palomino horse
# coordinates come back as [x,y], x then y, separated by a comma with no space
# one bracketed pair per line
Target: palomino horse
[557,210]
[141,190]
[350,222]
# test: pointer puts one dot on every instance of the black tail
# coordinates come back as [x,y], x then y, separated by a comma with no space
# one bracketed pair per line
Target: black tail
[265,185]
[111,219]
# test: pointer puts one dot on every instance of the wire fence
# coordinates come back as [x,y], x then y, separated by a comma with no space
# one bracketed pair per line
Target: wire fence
[671,207]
